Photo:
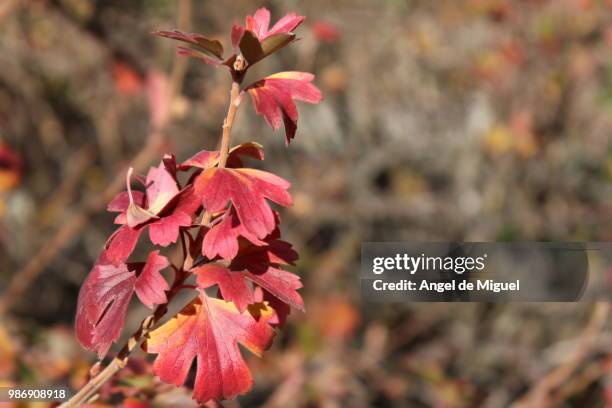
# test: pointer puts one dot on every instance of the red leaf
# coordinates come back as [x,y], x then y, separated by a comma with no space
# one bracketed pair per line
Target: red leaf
[163,209]
[210,329]
[260,265]
[281,284]
[222,238]
[273,98]
[105,296]
[232,284]
[102,305]
[150,286]
[206,159]
[257,259]
[236,36]
[247,190]
[121,244]
[259,24]
[166,230]
[161,188]
[122,200]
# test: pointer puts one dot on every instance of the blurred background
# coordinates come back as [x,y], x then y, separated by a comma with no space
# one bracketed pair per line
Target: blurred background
[475,120]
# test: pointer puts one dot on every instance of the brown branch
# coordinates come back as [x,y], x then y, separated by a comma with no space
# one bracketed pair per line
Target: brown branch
[540,394]
[229,122]
[119,362]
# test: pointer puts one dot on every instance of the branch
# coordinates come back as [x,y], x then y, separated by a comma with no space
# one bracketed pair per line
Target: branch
[94,384]
[119,362]
[539,395]
[229,122]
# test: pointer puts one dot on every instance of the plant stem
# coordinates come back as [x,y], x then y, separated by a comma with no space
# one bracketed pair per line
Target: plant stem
[94,384]
[229,122]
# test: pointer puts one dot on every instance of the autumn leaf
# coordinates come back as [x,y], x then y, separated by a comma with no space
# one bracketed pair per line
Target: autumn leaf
[209,330]
[206,159]
[257,40]
[273,98]
[209,50]
[261,266]
[150,286]
[106,293]
[222,238]
[233,285]
[162,208]
[247,190]
[259,24]
[121,243]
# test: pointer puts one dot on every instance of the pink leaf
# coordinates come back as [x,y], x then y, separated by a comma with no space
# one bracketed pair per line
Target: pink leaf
[259,24]
[106,294]
[247,190]
[122,243]
[166,230]
[206,159]
[273,98]
[161,188]
[232,284]
[102,306]
[150,286]
[260,265]
[222,238]
[209,331]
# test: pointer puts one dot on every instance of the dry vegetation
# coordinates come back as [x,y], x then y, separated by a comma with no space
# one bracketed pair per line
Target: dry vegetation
[473,120]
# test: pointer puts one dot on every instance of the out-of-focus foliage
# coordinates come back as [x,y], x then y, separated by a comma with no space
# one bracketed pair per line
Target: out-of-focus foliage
[472,120]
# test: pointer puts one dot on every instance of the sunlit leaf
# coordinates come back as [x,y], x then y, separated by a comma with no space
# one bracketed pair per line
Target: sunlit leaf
[209,330]
[273,98]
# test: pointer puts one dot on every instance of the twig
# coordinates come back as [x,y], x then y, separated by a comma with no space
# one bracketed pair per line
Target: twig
[119,362]
[90,389]
[229,122]
[540,394]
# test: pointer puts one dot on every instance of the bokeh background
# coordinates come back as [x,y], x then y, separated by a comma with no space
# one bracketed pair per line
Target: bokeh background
[476,120]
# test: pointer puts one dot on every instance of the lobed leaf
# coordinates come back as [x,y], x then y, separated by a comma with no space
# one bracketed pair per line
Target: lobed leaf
[247,190]
[259,24]
[206,159]
[222,238]
[209,331]
[212,48]
[105,296]
[150,286]
[273,98]
[259,265]
[163,209]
